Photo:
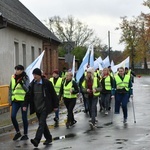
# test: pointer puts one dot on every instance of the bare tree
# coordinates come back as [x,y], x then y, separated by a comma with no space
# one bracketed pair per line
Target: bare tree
[70,29]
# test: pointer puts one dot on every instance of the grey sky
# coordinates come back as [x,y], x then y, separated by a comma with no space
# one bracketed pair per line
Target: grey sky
[100,15]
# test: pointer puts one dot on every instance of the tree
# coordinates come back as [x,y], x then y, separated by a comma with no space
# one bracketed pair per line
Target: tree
[70,29]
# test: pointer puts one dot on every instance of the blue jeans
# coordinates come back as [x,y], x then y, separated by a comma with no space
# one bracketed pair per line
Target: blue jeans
[105,98]
[92,103]
[121,99]
[15,107]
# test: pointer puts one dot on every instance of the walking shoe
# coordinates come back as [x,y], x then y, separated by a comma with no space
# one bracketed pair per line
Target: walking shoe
[67,125]
[72,123]
[56,119]
[106,112]
[17,136]
[47,142]
[125,121]
[34,142]
[24,137]
[92,126]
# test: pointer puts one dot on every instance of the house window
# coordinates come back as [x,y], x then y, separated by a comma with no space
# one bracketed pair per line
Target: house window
[32,53]
[40,51]
[24,54]
[16,55]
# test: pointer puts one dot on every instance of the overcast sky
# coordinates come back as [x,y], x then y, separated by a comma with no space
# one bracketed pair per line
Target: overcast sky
[100,15]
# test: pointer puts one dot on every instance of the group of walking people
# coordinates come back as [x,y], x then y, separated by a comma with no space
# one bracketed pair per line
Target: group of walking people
[43,96]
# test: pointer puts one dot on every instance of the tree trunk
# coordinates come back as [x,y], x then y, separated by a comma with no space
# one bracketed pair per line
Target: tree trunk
[145,63]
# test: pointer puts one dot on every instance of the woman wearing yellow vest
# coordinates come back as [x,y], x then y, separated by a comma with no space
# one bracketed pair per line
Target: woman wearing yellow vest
[107,86]
[69,90]
[57,82]
[18,87]
[123,87]
[91,90]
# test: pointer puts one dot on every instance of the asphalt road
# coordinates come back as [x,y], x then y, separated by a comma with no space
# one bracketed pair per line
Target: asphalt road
[107,135]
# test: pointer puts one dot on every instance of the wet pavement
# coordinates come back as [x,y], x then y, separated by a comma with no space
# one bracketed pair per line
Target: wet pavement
[110,134]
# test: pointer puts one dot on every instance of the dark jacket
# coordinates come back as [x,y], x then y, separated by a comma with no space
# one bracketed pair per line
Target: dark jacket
[49,94]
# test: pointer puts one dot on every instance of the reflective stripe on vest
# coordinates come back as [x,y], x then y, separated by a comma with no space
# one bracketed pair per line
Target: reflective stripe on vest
[18,93]
[66,92]
[57,84]
[122,84]
[95,85]
[107,83]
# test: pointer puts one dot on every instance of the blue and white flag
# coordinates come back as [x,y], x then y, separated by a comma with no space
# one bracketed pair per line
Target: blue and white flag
[105,63]
[35,64]
[73,66]
[97,62]
[85,60]
[91,56]
[112,63]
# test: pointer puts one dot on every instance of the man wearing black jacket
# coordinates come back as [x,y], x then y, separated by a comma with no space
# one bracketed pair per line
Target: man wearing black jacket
[43,100]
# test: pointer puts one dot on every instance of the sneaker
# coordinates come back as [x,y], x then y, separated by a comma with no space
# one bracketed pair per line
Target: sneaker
[92,126]
[106,112]
[56,119]
[67,125]
[72,123]
[125,121]
[34,142]
[47,142]
[24,137]
[17,136]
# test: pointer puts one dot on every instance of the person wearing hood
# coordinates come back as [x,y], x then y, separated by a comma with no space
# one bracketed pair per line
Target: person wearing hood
[18,87]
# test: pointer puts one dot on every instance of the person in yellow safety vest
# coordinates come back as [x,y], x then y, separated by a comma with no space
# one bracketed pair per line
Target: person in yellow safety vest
[18,87]
[130,73]
[69,91]
[107,86]
[91,91]
[111,72]
[123,87]
[57,82]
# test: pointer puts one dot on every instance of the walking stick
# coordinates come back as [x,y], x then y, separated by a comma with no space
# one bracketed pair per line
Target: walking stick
[133,110]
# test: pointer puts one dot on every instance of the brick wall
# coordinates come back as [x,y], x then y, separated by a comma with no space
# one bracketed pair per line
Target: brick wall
[50,60]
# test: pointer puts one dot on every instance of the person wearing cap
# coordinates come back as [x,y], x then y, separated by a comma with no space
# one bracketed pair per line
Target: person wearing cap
[56,81]
[43,100]
[69,91]
[18,87]
[91,90]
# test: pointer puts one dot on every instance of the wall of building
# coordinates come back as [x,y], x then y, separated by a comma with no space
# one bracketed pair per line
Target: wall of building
[8,38]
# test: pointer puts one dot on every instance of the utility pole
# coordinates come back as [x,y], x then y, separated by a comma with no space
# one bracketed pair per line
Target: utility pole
[109,45]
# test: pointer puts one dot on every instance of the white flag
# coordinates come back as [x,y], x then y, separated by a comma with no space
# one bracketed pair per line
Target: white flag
[35,64]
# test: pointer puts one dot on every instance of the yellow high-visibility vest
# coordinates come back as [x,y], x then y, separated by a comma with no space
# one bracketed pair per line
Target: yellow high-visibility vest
[18,93]
[57,84]
[108,83]
[66,90]
[95,85]
[122,84]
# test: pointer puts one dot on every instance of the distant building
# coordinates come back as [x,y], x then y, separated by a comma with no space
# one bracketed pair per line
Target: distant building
[22,38]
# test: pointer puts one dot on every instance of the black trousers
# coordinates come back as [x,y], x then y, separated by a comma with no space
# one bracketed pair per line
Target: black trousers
[70,104]
[43,128]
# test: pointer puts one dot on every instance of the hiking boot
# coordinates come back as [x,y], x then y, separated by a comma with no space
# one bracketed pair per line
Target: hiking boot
[47,142]
[17,136]
[34,142]
[24,137]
